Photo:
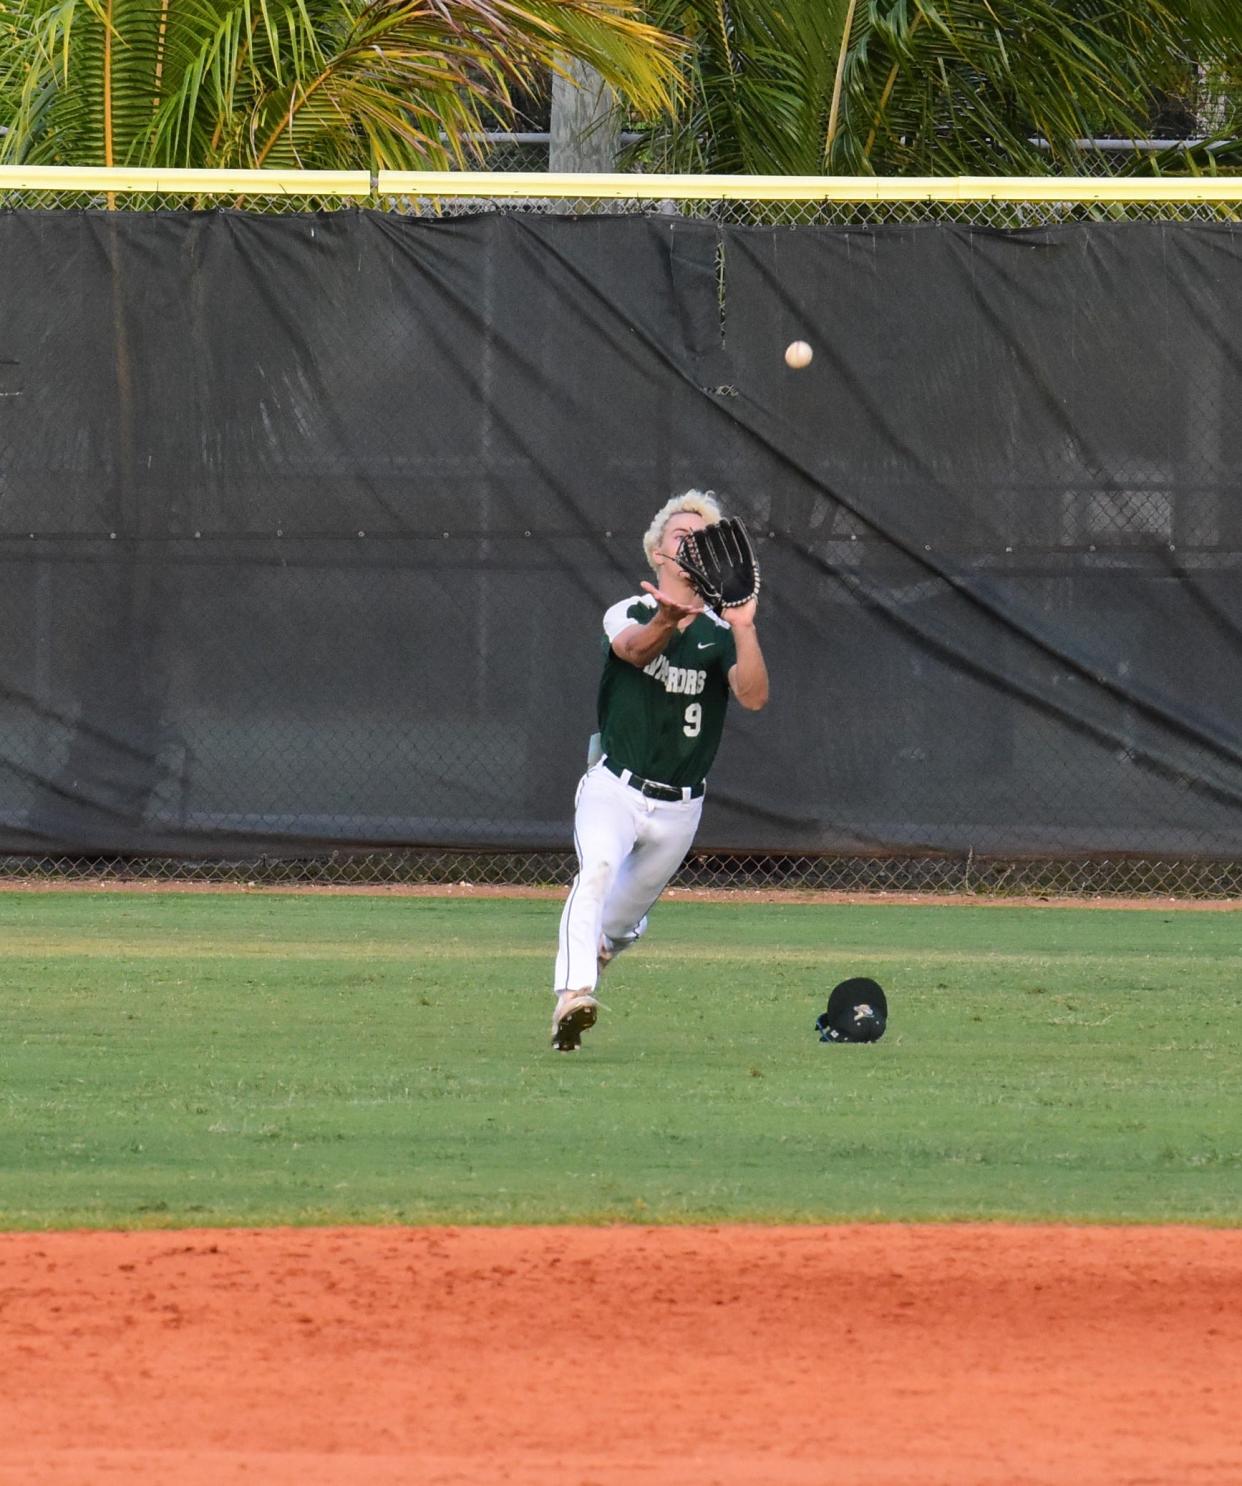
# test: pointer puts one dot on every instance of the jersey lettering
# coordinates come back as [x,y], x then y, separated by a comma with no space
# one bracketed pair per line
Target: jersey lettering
[677,680]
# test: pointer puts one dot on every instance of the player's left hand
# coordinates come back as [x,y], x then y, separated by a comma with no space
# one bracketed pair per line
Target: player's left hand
[721,564]
[741,616]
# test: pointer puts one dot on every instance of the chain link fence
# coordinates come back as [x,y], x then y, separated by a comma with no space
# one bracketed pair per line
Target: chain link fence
[1003,215]
[1105,877]
[1109,518]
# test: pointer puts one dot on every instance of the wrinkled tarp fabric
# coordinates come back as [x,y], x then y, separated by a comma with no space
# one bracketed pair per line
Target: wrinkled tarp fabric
[307,526]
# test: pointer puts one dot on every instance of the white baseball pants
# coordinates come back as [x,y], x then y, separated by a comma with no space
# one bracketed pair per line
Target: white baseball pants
[628,847]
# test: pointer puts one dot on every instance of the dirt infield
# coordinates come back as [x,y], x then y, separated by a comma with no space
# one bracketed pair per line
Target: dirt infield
[886,1355]
[810,896]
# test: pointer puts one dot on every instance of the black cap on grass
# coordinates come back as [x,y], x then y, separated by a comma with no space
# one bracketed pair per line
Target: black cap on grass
[857,1012]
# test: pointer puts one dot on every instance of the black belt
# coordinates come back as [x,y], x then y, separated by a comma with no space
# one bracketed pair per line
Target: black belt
[651,788]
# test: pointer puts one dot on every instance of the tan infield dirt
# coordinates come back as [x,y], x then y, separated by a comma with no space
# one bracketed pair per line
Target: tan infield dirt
[959,1355]
[686,895]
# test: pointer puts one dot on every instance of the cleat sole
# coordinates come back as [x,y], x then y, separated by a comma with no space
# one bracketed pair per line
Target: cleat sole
[567,1036]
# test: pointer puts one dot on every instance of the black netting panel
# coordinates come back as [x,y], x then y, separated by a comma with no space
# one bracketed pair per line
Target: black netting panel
[307,524]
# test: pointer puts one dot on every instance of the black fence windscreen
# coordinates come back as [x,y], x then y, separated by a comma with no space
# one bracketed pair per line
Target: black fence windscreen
[307,526]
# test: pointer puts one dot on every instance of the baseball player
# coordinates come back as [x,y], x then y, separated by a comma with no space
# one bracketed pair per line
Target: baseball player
[670,665]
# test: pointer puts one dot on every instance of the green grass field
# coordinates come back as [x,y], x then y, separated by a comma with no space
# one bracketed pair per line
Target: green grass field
[180,1059]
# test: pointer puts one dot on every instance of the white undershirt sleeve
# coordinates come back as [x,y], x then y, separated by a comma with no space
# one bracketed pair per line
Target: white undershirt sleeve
[619,618]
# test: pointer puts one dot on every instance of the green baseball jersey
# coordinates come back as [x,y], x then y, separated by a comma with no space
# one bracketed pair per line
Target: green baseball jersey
[664,721]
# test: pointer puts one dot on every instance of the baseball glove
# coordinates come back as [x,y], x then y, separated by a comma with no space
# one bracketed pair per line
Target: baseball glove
[721,563]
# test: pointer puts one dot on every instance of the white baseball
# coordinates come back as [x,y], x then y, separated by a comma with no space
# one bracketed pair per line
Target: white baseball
[798,354]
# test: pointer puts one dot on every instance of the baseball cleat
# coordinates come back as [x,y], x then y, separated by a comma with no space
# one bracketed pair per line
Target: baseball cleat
[575,1014]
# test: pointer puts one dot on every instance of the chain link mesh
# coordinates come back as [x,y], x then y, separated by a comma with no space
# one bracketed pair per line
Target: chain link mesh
[811,213]
[280,205]
[1086,877]
[1111,518]
[990,214]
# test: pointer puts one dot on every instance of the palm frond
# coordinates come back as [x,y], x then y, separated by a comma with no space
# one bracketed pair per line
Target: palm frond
[929,86]
[755,85]
[340,82]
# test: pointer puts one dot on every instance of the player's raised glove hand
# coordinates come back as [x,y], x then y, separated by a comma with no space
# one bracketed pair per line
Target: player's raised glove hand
[741,616]
[721,564]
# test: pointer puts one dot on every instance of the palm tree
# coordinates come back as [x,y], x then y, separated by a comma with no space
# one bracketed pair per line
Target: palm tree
[927,87]
[300,83]
[8,85]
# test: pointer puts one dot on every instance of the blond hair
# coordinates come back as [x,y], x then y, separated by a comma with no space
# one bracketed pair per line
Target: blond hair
[693,502]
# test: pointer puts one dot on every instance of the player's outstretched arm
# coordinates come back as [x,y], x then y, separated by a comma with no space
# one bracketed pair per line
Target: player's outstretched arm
[748,678]
[641,643]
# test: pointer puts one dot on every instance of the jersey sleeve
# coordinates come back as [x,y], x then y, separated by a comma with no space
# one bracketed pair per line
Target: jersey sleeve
[629,611]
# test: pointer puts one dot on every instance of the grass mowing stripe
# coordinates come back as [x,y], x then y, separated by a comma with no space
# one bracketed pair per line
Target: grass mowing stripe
[34,949]
[274,1058]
